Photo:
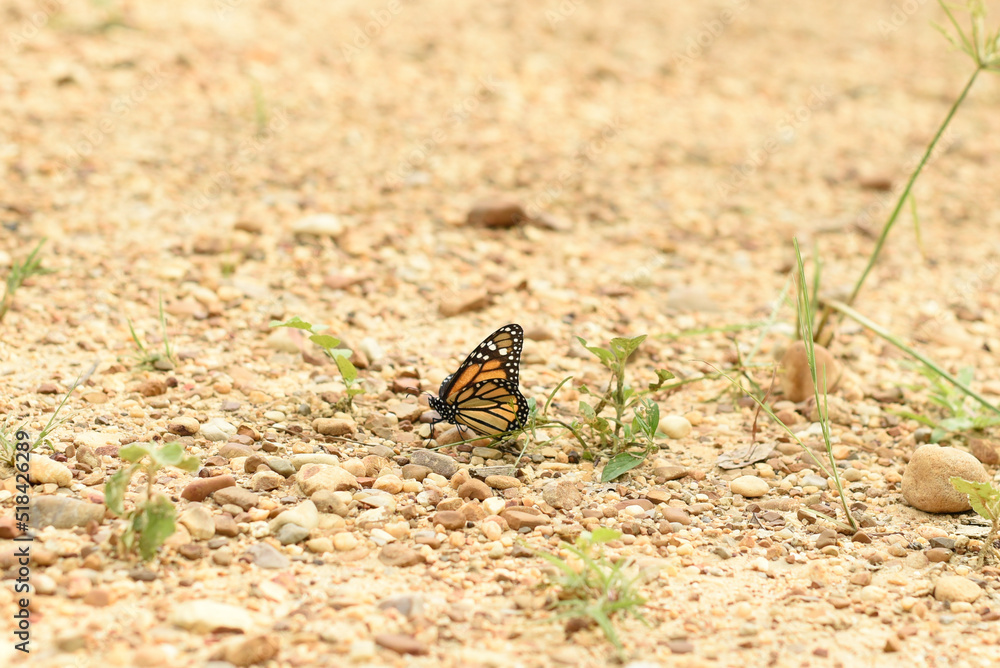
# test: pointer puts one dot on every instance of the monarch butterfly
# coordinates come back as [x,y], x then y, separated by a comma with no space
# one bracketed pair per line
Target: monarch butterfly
[482,394]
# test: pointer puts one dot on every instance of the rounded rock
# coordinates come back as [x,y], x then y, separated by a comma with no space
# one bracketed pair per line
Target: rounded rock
[675,426]
[955,588]
[749,486]
[926,483]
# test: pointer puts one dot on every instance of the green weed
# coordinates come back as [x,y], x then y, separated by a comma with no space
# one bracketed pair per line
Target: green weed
[340,356]
[960,415]
[984,498]
[152,520]
[593,587]
[19,273]
[147,358]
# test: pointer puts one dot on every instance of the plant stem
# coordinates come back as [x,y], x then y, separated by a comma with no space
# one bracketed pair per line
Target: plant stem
[902,200]
[846,310]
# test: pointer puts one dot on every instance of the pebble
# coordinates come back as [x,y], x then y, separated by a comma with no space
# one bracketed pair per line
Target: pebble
[415,472]
[749,486]
[63,512]
[955,588]
[300,460]
[304,515]
[796,378]
[492,530]
[314,477]
[395,554]
[334,426]
[218,429]
[320,225]
[225,525]
[206,616]
[184,426]
[328,501]
[562,494]
[199,488]
[442,465]
[985,451]
[199,521]
[344,541]
[475,489]
[252,651]
[290,533]
[280,466]
[670,472]
[449,519]
[400,643]
[502,482]
[814,481]
[675,426]
[497,213]
[320,545]
[494,505]
[518,517]
[266,556]
[45,470]
[678,515]
[237,496]
[265,481]
[925,480]
[193,551]
[486,453]
[389,483]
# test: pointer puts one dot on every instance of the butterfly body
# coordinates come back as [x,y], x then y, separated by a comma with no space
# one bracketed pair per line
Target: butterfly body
[483,394]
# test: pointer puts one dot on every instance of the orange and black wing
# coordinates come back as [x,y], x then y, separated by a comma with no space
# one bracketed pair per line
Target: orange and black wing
[491,407]
[496,358]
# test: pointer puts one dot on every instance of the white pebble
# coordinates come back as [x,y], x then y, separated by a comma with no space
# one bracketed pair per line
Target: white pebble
[749,486]
[675,426]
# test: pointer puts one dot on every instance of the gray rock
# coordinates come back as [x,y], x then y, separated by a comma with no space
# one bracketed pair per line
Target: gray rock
[291,533]
[408,605]
[217,429]
[486,453]
[63,512]
[266,556]
[435,461]
[380,450]
[237,496]
[279,465]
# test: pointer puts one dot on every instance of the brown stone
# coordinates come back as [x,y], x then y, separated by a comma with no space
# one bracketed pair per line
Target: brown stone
[496,213]
[200,488]
[400,643]
[452,520]
[400,556]
[475,489]
[520,516]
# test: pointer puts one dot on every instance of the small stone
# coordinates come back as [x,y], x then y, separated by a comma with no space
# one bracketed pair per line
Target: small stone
[43,470]
[395,554]
[205,616]
[400,643]
[217,429]
[494,505]
[304,515]
[749,486]
[314,477]
[502,482]
[389,483]
[926,483]
[320,225]
[678,515]
[680,646]
[290,533]
[199,521]
[449,519]
[670,472]
[266,556]
[98,598]
[333,426]
[327,501]
[234,450]
[518,517]
[475,489]
[252,651]
[826,538]
[955,588]
[938,555]
[225,525]
[237,496]
[319,545]
[497,213]
[280,466]
[415,472]
[985,451]
[796,378]
[152,387]
[193,551]
[344,541]
[184,426]
[408,605]
[300,460]
[63,512]
[199,488]
[265,481]
[562,494]
[675,426]
[441,464]
[8,528]
[486,453]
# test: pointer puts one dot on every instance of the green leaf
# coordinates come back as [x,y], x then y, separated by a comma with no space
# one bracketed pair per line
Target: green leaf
[115,488]
[170,454]
[347,370]
[325,341]
[983,497]
[133,452]
[587,410]
[157,526]
[294,321]
[603,354]
[624,347]
[604,535]
[189,463]
[956,424]
[620,464]
[662,376]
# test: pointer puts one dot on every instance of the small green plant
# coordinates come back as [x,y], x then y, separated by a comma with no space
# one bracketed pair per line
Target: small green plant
[985,500]
[152,520]
[340,356]
[145,357]
[616,434]
[960,415]
[19,273]
[594,588]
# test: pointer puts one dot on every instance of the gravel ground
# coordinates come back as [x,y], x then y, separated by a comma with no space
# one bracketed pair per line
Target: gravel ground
[243,161]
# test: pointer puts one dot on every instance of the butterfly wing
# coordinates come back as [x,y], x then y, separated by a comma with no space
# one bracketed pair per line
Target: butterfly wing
[491,407]
[482,394]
